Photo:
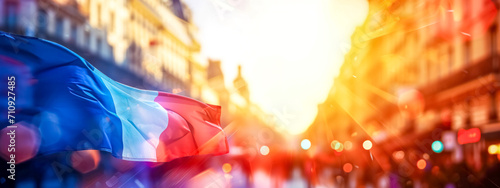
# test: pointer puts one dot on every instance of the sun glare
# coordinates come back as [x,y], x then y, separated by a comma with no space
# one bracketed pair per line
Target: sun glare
[290,51]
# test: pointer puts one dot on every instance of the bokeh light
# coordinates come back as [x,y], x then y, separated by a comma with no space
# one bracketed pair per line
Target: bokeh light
[334,144]
[367,145]
[26,141]
[226,167]
[85,161]
[339,147]
[373,98]
[426,156]
[421,164]
[493,149]
[264,150]
[305,144]
[347,167]
[437,146]
[347,145]
[398,155]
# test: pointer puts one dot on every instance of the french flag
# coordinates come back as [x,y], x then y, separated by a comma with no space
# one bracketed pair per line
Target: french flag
[76,107]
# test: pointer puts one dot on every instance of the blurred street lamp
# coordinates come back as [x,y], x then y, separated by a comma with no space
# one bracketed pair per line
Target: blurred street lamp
[493,149]
[367,145]
[264,150]
[305,144]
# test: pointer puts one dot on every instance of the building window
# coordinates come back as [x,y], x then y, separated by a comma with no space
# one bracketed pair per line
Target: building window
[86,38]
[73,35]
[493,40]
[450,58]
[98,46]
[11,15]
[112,22]
[98,15]
[467,52]
[59,27]
[428,67]
[445,61]
[87,6]
[42,21]
[440,71]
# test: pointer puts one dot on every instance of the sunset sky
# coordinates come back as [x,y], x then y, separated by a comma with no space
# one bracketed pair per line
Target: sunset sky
[290,50]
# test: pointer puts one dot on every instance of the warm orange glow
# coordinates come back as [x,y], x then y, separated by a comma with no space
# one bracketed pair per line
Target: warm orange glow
[398,155]
[411,102]
[304,38]
[426,156]
[435,170]
[493,149]
[85,161]
[348,145]
[421,164]
[62,2]
[226,167]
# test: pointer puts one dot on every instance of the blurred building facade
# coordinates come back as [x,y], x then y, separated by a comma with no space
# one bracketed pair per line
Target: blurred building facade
[418,72]
[148,44]
[150,41]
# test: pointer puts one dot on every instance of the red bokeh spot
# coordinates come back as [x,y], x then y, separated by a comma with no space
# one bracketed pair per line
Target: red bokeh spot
[22,141]
[347,167]
[85,161]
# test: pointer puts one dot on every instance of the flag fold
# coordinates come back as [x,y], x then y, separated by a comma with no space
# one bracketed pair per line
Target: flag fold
[74,106]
